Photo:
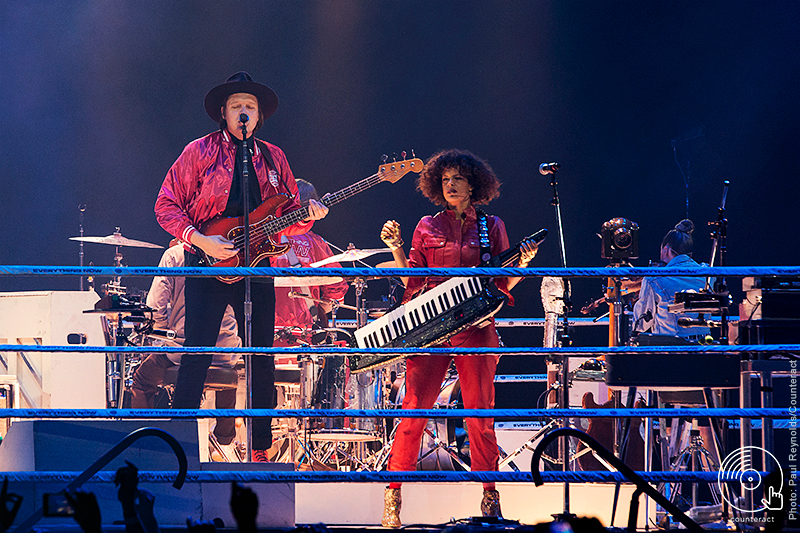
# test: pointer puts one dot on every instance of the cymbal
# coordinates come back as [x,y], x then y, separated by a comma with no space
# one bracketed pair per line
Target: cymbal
[116,239]
[350,255]
[306,281]
[386,264]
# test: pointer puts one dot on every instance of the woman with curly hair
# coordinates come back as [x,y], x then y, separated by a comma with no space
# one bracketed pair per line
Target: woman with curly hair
[456,180]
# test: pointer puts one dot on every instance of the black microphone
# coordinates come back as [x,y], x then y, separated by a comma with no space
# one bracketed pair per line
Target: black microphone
[548,168]
[243,118]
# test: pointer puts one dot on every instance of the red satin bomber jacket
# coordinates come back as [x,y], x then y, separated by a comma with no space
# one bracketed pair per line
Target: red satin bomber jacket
[197,185]
[442,241]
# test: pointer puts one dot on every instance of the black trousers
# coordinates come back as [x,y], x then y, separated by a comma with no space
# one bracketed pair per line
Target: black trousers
[206,300]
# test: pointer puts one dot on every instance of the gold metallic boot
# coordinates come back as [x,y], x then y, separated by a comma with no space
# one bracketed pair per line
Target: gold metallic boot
[391,508]
[490,504]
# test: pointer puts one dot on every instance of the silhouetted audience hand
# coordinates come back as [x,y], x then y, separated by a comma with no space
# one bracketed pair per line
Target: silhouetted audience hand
[8,514]
[201,526]
[87,511]
[144,509]
[244,507]
[127,479]
[137,505]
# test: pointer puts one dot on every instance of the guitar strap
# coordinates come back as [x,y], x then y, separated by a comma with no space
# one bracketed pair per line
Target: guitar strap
[271,164]
[483,237]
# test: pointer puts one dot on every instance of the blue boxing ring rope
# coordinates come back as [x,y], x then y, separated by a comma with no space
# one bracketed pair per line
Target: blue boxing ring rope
[780,413]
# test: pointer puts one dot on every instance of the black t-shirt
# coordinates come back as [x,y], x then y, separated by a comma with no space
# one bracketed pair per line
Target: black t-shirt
[236,199]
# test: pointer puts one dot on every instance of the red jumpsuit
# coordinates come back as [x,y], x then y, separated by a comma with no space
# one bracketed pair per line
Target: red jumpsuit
[442,241]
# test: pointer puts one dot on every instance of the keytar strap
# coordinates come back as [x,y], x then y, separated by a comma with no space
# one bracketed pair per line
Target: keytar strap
[483,237]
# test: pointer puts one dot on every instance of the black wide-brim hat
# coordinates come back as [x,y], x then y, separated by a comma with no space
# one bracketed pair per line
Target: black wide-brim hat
[241,82]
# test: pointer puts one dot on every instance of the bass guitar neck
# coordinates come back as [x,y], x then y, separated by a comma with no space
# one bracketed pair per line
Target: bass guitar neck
[264,225]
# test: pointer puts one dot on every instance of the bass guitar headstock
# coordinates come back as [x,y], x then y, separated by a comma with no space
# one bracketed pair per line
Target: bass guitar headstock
[394,170]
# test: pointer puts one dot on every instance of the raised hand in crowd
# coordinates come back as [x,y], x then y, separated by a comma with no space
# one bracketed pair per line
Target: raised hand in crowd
[244,507]
[137,504]
[8,514]
[87,511]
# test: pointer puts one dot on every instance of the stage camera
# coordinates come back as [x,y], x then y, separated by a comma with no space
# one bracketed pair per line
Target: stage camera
[620,239]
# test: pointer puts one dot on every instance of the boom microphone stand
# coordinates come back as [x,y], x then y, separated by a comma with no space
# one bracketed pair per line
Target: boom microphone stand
[248,302]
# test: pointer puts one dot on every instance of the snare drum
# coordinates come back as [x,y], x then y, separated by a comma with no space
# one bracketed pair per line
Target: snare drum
[449,431]
[326,383]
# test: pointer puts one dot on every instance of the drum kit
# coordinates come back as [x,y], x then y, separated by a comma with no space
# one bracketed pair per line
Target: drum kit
[118,307]
[325,382]
[310,381]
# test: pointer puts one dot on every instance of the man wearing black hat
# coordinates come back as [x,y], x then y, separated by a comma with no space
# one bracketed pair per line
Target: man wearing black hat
[204,183]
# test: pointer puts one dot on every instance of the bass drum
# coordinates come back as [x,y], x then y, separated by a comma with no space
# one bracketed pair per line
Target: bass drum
[452,449]
[326,383]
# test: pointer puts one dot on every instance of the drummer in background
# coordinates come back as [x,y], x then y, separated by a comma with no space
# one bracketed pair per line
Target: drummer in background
[166,298]
[300,314]
[457,180]
[651,312]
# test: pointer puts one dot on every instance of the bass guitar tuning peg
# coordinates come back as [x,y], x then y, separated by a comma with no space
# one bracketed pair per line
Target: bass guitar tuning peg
[384,158]
[403,154]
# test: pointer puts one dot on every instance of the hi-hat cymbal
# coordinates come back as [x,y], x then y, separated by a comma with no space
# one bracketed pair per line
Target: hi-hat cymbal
[116,239]
[305,281]
[350,255]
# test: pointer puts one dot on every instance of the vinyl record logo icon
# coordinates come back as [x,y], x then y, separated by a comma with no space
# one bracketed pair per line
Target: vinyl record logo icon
[738,467]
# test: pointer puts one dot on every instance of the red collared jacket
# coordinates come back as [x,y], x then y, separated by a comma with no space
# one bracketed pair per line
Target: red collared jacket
[197,185]
[442,241]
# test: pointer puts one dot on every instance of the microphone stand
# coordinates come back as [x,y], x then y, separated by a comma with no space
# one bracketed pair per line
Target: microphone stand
[81,211]
[248,303]
[563,396]
[718,237]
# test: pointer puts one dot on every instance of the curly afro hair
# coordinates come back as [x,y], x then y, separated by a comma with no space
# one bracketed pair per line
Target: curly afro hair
[481,177]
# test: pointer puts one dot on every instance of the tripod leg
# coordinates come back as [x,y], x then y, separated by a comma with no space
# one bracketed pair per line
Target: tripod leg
[503,456]
[623,446]
[528,445]
[440,445]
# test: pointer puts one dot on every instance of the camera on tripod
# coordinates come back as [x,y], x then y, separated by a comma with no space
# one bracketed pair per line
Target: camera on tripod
[620,239]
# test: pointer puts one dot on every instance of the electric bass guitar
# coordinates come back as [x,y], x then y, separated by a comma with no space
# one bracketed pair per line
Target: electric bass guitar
[264,225]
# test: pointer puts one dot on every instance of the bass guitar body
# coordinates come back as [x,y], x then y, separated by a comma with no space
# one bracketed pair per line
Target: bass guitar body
[261,244]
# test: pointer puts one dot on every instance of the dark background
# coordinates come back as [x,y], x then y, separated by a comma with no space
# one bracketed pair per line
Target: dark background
[97,99]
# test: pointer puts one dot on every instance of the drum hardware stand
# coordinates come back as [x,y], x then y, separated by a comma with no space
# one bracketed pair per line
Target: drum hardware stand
[114,286]
[116,363]
[114,368]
